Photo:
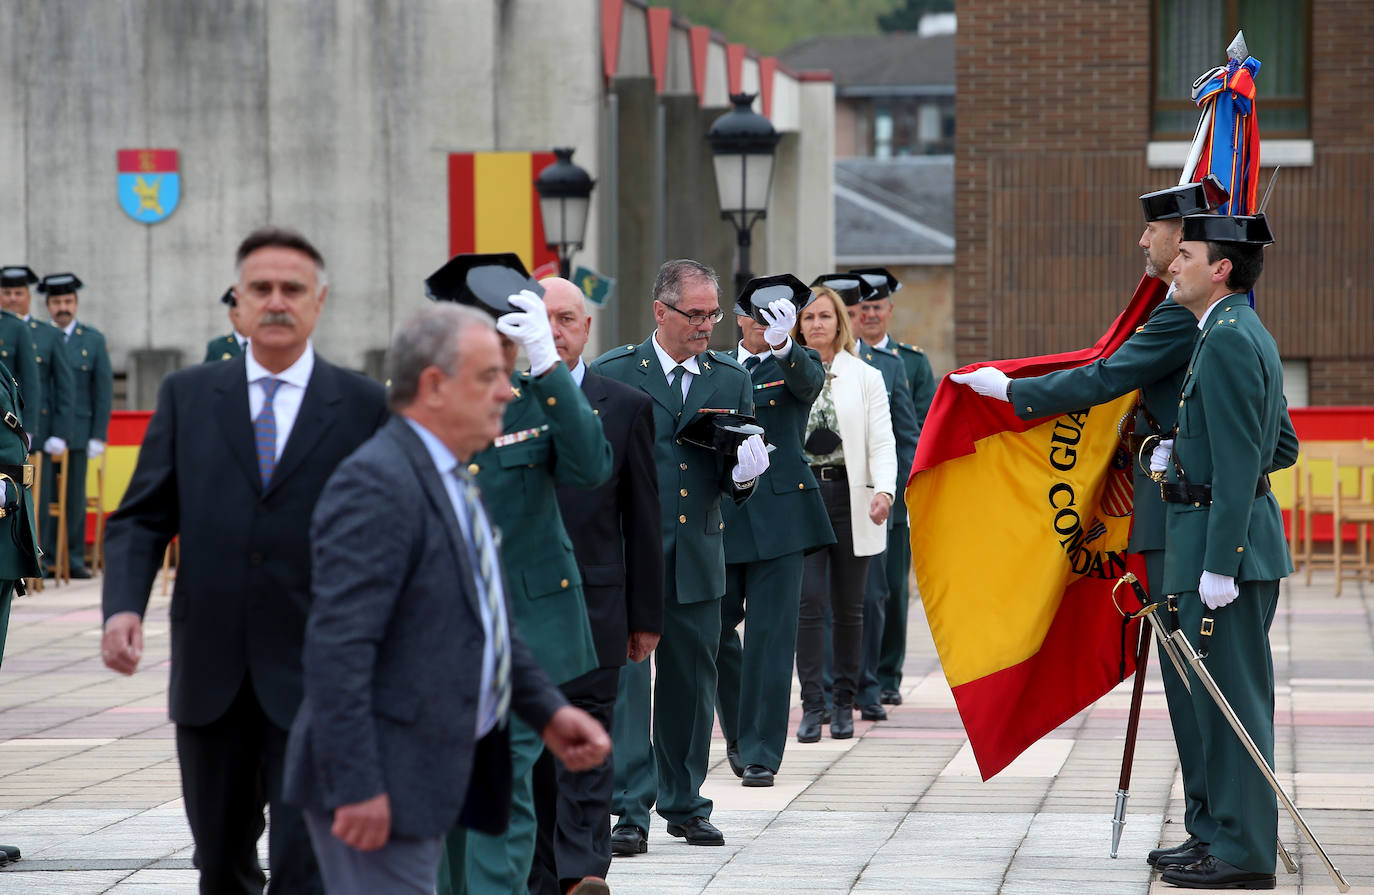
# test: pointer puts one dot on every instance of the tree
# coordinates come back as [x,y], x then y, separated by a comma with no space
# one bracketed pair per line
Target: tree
[907,16]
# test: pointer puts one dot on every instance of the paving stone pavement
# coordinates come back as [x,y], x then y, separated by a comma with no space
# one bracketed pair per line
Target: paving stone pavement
[89,783]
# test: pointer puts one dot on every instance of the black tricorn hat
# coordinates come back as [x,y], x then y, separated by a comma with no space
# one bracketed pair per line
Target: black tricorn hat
[881,279]
[60,284]
[483,281]
[1184,199]
[851,288]
[759,291]
[229,298]
[12,275]
[1247,229]
[722,431]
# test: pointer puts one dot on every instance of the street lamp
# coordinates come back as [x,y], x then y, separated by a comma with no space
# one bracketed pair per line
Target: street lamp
[565,192]
[742,145]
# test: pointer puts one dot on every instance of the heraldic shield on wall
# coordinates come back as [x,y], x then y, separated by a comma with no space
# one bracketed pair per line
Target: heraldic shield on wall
[149,183]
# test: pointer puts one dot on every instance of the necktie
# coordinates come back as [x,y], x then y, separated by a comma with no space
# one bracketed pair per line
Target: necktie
[751,362]
[265,431]
[485,552]
[675,386]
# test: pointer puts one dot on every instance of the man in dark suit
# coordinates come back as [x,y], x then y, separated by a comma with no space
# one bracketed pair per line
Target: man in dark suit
[411,664]
[231,345]
[674,367]
[615,533]
[767,538]
[233,461]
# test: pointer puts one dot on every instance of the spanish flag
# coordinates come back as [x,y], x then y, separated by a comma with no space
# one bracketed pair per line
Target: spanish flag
[493,207]
[1018,533]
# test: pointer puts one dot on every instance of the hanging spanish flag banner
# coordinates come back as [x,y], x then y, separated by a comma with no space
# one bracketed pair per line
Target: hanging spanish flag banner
[1018,533]
[493,207]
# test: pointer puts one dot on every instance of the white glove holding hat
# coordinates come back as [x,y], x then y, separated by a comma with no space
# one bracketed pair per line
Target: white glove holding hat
[781,316]
[751,460]
[529,328]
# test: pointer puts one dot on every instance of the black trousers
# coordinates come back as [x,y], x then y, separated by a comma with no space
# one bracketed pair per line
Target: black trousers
[833,577]
[230,770]
[573,809]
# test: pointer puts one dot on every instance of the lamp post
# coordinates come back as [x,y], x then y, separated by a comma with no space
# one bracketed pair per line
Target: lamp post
[565,192]
[742,146]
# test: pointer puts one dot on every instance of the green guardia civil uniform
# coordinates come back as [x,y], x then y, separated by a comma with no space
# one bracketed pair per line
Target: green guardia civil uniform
[670,767]
[222,348]
[19,544]
[906,430]
[57,387]
[1231,416]
[549,437]
[766,540]
[18,355]
[93,392]
[892,656]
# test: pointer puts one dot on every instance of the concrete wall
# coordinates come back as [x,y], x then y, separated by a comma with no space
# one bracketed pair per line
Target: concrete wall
[923,312]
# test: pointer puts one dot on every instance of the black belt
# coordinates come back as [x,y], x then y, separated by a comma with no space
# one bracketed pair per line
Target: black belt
[830,473]
[12,421]
[20,475]
[1200,495]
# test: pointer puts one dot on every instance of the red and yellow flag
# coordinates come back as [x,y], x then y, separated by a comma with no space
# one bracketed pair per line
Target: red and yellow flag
[1018,533]
[493,207]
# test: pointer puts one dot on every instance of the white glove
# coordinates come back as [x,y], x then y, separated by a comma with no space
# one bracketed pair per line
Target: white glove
[750,460]
[54,446]
[1159,457]
[781,316]
[529,328]
[988,381]
[1217,590]
[95,447]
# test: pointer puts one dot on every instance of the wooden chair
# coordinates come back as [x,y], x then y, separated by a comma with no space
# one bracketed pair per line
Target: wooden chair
[62,561]
[35,585]
[96,505]
[1355,508]
[171,558]
[1313,496]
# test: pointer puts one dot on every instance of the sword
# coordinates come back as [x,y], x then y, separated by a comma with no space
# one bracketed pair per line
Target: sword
[1167,646]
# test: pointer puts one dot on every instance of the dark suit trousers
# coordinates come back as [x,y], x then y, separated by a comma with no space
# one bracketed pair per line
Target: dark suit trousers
[230,769]
[833,577]
[574,837]
[76,507]
[754,680]
[875,619]
[898,568]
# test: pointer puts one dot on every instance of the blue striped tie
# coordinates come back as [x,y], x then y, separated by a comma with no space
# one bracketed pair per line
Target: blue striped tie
[485,552]
[265,431]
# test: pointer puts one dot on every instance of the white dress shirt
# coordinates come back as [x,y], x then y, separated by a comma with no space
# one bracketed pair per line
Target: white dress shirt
[286,403]
[1201,321]
[446,463]
[668,363]
[579,372]
[67,330]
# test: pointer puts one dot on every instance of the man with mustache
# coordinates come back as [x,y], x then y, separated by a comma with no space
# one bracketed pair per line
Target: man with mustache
[233,462]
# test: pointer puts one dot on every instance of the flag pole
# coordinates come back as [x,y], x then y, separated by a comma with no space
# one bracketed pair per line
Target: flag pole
[1123,788]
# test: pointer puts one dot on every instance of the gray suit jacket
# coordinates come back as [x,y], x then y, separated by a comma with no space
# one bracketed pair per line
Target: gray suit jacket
[393,654]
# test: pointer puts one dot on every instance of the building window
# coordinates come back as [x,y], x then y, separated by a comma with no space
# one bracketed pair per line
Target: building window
[882,133]
[1190,37]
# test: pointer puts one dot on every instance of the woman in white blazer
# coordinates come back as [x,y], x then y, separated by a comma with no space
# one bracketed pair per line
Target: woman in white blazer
[850,447]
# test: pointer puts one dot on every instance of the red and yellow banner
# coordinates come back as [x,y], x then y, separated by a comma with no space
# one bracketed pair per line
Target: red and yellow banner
[1018,533]
[493,207]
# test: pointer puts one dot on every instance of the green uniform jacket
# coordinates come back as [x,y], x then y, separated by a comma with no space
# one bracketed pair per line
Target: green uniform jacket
[1154,359]
[18,356]
[54,416]
[919,377]
[691,479]
[222,348]
[786,514]
[94,386]
[906,430]
[549,436]
[19,558]
[1230,414]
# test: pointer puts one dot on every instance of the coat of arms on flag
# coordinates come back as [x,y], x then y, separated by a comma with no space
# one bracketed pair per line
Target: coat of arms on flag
[149,183]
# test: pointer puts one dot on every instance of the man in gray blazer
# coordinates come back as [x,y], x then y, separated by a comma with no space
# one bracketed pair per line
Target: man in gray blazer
[410,664]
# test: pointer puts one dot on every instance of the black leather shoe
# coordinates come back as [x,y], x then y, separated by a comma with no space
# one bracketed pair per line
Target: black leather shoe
[10,852]
[825,715]
[890,697]
[1182,857]
[1214,873]
[757,775]
[732,756]
[842,726]
[628,840]
[872,713]
[1188,844]
[82,573]
[697,831]
[809,730]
